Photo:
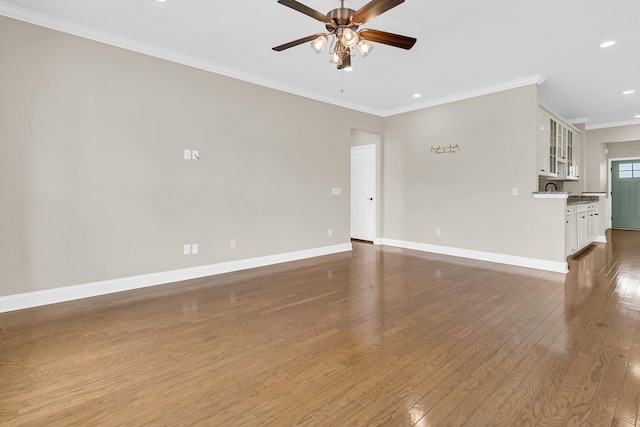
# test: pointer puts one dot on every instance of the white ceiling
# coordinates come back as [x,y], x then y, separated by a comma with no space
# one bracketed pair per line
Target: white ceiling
[464,46]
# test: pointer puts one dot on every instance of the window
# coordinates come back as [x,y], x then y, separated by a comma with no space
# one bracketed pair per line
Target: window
[629,170]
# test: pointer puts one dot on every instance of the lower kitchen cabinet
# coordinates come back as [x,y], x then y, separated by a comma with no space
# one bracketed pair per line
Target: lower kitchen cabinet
[581,226]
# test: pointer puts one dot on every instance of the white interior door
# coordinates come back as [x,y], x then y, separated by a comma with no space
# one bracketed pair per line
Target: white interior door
[363,192]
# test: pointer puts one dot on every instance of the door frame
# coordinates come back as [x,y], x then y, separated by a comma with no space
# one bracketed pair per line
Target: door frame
[608,202]
[374,148]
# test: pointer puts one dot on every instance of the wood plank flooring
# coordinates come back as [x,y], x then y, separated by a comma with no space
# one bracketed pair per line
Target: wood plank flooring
[380,336]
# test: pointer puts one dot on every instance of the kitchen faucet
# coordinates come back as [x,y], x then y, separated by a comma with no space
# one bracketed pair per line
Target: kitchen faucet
[555,187]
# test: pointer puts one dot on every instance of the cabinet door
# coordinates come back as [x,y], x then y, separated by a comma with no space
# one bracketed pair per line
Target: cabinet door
[570,165]
[593,226]
[583,229]
[576,155]
[573,231]
[573,155]
[563,136]
[553,147]
[543,143]
[567,236]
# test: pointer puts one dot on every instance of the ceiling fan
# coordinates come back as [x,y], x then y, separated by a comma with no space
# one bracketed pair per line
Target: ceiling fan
[342,26]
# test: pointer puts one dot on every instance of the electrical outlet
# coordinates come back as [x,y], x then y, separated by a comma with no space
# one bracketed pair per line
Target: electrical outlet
[233,244]
[336,191]
[194,249]
[438,232]
[195,155]
[187,249]
[330,232]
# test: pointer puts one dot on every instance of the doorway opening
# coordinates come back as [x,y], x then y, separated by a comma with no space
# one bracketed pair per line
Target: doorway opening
[363,192]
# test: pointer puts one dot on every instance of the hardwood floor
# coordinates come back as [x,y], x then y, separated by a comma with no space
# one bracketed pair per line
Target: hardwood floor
[379,336]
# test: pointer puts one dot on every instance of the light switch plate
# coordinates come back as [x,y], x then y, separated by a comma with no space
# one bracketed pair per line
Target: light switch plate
[336,191]
[187,154]
[515,191]
[194,249]
[187,249]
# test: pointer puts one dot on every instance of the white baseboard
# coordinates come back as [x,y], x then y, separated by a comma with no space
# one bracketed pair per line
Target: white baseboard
[600,239]
[538,264]
[69,293]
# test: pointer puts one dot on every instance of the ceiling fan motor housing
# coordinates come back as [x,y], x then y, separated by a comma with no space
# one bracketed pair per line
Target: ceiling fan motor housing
[341,17]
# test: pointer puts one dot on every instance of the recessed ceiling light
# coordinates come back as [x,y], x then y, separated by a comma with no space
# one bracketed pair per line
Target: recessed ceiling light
[637,116]
[608,44]
[628,92]
[417,95]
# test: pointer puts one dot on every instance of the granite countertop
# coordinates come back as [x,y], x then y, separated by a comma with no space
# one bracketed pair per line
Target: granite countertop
[574,200]
[586,197]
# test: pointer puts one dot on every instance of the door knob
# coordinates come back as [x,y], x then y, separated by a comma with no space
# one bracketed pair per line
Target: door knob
[369,198]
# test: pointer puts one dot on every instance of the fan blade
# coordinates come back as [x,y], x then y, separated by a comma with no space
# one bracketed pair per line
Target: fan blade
[372,9]
[391,39]
[293,4]
[296,42]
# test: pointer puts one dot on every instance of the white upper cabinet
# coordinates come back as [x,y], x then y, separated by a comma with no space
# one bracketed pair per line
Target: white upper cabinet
[558,147]
[573,155]
[547,163]
[562,142]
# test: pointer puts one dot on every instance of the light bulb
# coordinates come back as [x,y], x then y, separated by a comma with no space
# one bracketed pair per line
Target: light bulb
[318,44]
[335,58]
[349,37]
[364,48]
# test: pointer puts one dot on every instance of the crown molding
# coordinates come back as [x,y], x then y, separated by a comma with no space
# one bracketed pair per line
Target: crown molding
[64,26]
[613,124]
[525,81]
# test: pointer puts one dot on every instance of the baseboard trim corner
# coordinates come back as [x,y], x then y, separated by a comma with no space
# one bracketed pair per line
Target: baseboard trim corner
[518,261]
[87,290]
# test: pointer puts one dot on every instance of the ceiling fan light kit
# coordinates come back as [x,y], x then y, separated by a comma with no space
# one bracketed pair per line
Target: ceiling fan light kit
[342,26]
[318,44]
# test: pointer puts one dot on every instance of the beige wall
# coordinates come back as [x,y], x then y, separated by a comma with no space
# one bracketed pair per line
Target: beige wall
[94,187]
[93,184]
[621,141]
[622,150]
[614,134]
[468,194]
[595,165]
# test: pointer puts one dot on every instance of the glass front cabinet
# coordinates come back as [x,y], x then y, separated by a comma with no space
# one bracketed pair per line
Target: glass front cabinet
[558,147]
